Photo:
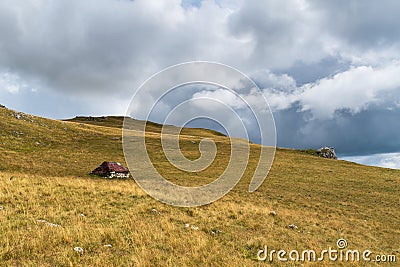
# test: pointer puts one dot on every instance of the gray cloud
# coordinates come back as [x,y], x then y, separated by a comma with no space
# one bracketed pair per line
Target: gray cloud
[98,46]
[368,24]
[279,33]
[370,131]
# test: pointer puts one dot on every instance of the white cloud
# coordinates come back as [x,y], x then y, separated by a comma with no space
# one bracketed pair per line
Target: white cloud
[352,90]
[222,96]
[386,160]
[279,90]
[10,83]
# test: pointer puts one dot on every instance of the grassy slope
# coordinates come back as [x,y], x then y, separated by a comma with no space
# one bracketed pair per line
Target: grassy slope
[44,175]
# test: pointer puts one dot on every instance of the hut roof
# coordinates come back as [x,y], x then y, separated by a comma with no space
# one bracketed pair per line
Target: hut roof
[109,166]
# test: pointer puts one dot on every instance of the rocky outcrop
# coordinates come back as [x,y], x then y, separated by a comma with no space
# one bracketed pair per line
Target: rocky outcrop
[327,152]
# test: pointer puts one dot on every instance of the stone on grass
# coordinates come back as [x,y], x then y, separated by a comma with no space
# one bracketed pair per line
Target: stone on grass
[327,152]
[194,227]
[49,223]
[78,249]
[216,232]
[153,210]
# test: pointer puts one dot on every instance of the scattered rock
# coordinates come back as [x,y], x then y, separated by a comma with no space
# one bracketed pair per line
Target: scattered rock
[1,208]
[17,133]
[193,142]
[49,223]
[2,106]
[216,232]
[155,211]
[194,227]
[327,152]
[82,215]
[292,226]
[272,213]
[23,116]
[107,245]
[37,143]
[115,138]
[78,249]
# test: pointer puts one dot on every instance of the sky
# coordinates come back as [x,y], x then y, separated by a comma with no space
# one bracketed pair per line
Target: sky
[330,70]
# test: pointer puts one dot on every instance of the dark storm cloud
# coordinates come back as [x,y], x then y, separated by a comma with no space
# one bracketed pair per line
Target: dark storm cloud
[370,131]
[369,24]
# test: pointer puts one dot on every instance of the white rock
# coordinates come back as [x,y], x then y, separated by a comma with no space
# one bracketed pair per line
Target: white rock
[155,211]
[216,231]
[78,249]
[49,223]
[327,152]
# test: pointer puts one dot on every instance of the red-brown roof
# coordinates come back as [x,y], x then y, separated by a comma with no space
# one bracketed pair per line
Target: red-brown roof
[106,167]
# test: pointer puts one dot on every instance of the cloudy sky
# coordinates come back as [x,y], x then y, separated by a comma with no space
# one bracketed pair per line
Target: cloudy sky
[329,69]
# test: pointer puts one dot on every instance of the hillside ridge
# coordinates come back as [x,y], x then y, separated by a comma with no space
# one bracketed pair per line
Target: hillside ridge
[118,121]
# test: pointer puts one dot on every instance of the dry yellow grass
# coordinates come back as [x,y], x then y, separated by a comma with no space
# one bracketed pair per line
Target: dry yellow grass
[49,181]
